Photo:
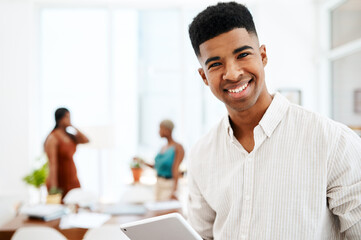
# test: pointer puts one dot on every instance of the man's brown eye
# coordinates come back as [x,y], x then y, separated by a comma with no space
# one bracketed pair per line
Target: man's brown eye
[242,55]
[214,65]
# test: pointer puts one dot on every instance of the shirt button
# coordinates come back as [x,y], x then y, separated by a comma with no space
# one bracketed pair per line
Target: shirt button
[249,159]
[247,197]
[243,237]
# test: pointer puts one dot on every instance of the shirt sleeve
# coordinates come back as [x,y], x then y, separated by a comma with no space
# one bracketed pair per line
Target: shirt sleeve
[344,184]
[200,215]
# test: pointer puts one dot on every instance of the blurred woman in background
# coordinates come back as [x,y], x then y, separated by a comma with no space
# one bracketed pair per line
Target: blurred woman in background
[167,164]
[60,146]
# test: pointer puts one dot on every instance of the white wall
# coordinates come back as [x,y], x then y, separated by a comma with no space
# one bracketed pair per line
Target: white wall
[289,41]
[16,75]
[289,37]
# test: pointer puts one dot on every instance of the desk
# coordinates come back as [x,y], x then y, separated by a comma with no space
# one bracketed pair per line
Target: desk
[8,229]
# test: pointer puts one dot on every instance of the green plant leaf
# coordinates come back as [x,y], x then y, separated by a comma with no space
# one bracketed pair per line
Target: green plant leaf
[38,176]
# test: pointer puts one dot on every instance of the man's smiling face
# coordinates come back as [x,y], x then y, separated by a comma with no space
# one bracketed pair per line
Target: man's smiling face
[233,67]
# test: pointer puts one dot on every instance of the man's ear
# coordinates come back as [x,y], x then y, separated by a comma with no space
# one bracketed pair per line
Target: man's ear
[263,53]
[203,75]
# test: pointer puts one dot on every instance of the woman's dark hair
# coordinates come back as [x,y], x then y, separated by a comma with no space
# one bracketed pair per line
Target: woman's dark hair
[218,19]
[59,114]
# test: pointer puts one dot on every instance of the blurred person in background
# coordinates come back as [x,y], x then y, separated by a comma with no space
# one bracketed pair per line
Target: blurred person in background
[60,146]
[167,163]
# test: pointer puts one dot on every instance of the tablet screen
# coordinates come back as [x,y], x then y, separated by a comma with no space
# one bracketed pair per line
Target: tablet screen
[170,226]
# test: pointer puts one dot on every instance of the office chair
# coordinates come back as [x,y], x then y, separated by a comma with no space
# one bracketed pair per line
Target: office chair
[37,233]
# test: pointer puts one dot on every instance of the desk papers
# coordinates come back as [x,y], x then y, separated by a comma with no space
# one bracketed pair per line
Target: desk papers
[83,220]
[46,212]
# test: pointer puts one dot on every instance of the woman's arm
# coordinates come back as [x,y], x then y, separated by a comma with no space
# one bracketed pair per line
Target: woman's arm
[80,137]
[51,144]
[141,161]
[179,155]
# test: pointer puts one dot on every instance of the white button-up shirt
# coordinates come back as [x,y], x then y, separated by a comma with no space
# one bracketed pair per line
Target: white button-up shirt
[301,181]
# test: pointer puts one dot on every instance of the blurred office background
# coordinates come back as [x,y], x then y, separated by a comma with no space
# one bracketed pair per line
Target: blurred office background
[122,66]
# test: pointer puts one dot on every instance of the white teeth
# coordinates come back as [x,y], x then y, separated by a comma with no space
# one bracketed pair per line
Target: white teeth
[237,90]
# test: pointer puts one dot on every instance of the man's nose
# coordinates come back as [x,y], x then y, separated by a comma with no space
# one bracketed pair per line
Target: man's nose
[233,72]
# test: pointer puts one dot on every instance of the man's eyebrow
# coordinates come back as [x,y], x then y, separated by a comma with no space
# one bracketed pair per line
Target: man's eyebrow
[241,49]
[211,59]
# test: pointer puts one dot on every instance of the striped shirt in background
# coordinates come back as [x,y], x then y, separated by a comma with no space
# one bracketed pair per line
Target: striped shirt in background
[301,181]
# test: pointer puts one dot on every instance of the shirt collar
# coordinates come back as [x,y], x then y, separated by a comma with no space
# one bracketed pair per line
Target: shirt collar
[272,117]
[274,114]
[227,126]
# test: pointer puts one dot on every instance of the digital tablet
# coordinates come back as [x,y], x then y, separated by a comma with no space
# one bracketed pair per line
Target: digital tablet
[170,226]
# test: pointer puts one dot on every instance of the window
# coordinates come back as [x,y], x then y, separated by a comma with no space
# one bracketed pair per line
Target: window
[345,56]
[169,84]
[346,81]
[88,64]
[75,65]
[341,54]
[346,23]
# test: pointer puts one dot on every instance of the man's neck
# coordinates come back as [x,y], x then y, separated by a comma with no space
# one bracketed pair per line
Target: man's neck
[244,122]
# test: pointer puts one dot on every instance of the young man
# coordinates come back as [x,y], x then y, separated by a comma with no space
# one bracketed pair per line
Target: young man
[270,169]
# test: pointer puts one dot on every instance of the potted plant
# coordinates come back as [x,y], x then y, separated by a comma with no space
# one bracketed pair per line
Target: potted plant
[136,168]
[54,196]
[37,178]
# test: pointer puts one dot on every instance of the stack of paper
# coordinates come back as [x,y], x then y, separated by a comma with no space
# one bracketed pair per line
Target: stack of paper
[46,212]
[83,220]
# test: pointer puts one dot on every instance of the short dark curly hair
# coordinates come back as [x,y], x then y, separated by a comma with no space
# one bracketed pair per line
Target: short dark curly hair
[218,19]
